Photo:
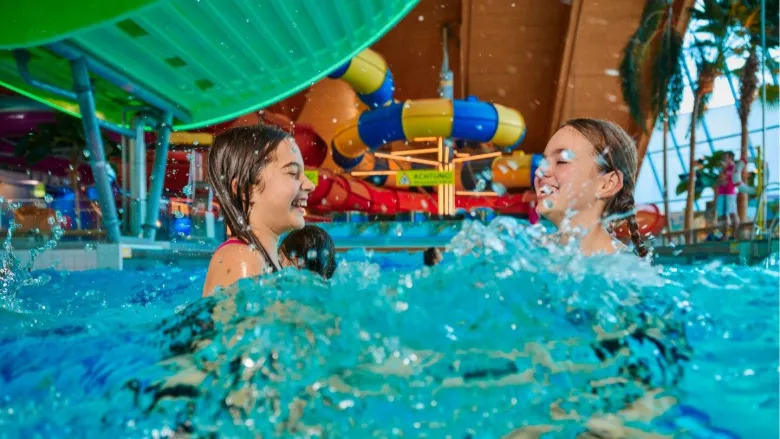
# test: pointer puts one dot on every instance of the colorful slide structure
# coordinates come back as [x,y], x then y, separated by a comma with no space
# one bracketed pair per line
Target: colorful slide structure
[389,121]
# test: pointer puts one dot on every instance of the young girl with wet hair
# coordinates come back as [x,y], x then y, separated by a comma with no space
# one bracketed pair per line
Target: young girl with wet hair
[257,176]
[587,183]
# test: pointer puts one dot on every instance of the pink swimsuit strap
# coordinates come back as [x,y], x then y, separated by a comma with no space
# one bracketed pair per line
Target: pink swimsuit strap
[231,241]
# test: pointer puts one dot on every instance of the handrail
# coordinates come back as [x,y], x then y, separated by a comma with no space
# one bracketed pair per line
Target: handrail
[22,58]
[71,53]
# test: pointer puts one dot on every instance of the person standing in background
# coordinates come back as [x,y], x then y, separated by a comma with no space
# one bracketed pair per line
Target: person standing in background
[728,183]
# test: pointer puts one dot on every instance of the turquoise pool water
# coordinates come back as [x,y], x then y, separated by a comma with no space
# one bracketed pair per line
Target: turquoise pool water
[507,333]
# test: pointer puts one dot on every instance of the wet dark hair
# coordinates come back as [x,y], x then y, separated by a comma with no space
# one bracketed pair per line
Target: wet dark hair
[314,247]
[429,256]
[617,152]
[239,155]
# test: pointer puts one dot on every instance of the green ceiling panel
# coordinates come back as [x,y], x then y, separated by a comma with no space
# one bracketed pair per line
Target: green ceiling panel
[32,23]
[217,59]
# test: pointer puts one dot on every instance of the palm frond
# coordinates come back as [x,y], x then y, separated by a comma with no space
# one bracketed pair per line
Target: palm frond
[772,95]
[630,83]
[650,48]
[668,83]
[633,53]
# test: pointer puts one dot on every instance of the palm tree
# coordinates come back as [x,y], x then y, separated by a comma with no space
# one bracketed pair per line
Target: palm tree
[747,23]
[65,138]
[654,55]
[714,20]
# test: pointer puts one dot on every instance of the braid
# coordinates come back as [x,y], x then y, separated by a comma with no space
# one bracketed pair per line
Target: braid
[633,227]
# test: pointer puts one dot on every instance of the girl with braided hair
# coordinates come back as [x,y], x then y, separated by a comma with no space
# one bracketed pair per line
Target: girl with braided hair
[586,184]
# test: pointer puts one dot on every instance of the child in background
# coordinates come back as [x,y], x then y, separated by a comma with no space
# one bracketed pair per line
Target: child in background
[311,248]
[728,184]
[432,256]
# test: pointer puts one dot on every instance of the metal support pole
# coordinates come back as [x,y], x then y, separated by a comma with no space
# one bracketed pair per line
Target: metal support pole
[138,178]
[446,192]
[97,157]
[762,183]
[125,144]
[158,177]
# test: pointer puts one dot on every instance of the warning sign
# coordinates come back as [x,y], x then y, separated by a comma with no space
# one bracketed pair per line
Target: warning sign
[313,175]
[425,177]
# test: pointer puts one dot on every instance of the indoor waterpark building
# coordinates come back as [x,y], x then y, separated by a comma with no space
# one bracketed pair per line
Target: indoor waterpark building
[382,218]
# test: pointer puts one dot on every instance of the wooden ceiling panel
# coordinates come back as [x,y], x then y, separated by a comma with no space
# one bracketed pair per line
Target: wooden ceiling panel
[591,87]
[514,56]
[413,49]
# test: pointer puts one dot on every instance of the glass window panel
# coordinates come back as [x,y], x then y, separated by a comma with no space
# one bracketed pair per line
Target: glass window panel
[647,190]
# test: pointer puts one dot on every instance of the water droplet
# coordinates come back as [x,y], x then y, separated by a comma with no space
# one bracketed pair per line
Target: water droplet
[420,18]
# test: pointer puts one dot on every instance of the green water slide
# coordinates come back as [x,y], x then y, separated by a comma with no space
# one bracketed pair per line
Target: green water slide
[211,60]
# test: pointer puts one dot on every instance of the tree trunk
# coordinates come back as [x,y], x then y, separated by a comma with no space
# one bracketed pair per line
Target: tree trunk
[690,200]
[665,167]
[748,87]
[742,198]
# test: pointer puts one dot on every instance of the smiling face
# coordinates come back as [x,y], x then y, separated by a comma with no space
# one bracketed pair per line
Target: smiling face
[570,179]
[279,202]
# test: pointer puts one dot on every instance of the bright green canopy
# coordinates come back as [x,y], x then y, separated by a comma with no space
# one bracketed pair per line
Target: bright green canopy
[217,59]
[44,21]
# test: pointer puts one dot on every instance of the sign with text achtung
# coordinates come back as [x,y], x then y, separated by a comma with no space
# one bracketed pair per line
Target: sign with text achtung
[424,177]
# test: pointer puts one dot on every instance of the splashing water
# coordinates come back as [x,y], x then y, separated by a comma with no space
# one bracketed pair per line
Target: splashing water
[508,335]
[13,274]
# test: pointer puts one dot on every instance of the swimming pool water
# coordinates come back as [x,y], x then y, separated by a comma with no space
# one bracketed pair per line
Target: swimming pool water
[505,334]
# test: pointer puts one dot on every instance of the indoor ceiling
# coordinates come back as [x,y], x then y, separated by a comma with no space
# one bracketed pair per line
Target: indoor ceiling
[211,60]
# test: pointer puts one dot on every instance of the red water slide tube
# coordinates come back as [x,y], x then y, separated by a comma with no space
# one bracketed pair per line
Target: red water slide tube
[340,193]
